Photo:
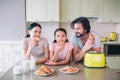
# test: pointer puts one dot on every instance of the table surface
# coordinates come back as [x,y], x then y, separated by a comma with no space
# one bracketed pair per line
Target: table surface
[84,74]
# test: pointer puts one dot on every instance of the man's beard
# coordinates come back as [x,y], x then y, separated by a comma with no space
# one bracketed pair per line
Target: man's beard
[78,36]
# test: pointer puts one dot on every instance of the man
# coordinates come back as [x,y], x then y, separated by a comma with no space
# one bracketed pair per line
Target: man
[82,40]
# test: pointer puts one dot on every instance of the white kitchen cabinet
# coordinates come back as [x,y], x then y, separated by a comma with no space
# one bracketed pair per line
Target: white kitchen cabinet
[6,55]
[113,62]
[52,10]
[89,8]
[109,11]
[42,10]
[35,10]
[69,10]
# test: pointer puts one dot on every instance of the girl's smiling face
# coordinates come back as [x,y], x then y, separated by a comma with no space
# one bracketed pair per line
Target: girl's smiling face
[60,36]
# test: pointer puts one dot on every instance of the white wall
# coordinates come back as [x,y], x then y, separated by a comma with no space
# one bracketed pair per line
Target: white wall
[103,29]
[47,29]
[12,19]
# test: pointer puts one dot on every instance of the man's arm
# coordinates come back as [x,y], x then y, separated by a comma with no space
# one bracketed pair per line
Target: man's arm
[79,55]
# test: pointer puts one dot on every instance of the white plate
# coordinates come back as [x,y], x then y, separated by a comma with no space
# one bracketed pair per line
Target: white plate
[61,70]
[45,74]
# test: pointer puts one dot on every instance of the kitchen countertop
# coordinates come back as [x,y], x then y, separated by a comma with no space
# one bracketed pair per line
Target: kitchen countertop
[10,42]
[111,42]
[84,74]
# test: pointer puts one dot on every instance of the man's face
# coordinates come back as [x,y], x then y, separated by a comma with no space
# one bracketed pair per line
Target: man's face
[79,30]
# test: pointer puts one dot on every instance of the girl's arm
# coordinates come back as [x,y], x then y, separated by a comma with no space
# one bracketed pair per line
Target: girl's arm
[44,59]
[67,59]
[54,55]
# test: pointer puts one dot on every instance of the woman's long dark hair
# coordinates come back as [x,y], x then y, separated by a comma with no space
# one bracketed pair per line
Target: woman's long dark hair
[60,29]
[31,27]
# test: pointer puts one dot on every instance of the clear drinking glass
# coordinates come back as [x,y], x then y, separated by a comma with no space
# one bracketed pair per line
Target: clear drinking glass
[32,64]
[26,65]
[17,62]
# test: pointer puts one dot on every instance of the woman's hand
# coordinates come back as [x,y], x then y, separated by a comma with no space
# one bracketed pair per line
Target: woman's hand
[33,43]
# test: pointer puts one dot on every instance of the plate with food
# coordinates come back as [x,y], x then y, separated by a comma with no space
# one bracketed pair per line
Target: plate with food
[44,71]
[69,70]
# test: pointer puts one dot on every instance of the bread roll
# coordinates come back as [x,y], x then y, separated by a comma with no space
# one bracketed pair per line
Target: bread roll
[60,43]
[43,70]
[37,39]
[46,69]
[91,36]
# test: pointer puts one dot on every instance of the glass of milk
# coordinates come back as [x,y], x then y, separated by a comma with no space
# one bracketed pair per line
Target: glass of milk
[17,62]
[26,65]
[32,64]
[17,70]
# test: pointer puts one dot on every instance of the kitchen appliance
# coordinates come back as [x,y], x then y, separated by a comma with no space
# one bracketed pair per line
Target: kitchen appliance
[94,59]
[111,49]
[113,36]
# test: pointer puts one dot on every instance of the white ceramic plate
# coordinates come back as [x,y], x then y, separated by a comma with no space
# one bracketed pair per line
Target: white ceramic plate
[62,70]
[45,74]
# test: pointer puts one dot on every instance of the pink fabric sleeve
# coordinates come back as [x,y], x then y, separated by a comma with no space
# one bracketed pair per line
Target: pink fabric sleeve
[70,46]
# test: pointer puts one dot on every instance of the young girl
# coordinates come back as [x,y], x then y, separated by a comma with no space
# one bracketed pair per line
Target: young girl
[60,49]
[35,46]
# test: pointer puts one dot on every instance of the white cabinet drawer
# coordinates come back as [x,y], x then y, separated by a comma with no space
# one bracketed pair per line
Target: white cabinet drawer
[113,62]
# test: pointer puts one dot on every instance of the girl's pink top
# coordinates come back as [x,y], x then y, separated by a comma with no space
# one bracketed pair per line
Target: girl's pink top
[62,54]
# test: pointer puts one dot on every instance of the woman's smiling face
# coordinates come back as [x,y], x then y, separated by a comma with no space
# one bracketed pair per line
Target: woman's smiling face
[35,32]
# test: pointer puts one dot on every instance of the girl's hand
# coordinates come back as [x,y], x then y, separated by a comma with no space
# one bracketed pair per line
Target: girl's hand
[48,62]
[59,48]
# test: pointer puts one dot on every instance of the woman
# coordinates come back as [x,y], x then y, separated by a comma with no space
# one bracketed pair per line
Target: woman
[60,49]
[35,46]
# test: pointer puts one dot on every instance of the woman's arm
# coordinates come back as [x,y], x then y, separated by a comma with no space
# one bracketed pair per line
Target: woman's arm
[27,51]
[44,59]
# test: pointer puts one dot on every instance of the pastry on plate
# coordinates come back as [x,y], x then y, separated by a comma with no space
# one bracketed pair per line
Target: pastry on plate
[43,70]
[46,69]
[69,70]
